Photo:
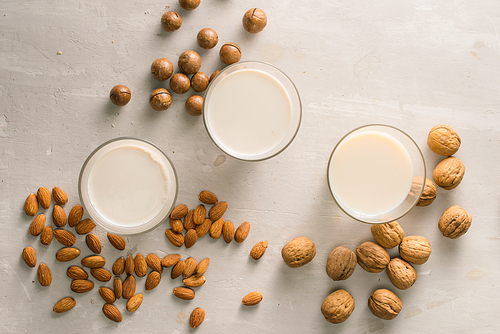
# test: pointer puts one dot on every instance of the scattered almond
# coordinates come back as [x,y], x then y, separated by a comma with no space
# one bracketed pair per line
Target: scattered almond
[217,211]
[44,276]
[179,212]
[170,260]
[107,295]
[134,302]
[202,266]
[59,196]
[258,250]
[31,205]
[117,287]
[189,267]
[199,214]
[140,266]
[128,287]
[188,221]
[177,269]
[129,265]
[177,239]
[64,237]
[228,231]
[119,266]
[242,232]
[59,216]
[81,285]
[67,254]
[216,228]
[253,298]
[154,262]
[47,234]
[208,197]
[176,225]
[37,225]
[190,238]
[75,272]
[203,228]
[93,261]
[184,293]
[197,317]
[75,215]
[85,226]
[64,305]
[117,241]
[194,281]
[29,256]
[101,274]
[44,198]
[111,312]
[153,280]
[93,243]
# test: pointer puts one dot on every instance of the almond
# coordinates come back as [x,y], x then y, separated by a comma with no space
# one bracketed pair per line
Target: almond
[81,285]
[188,221]
[154,262]
[253,298]
[59,216]
[153,280]
[202,229]
[67,254]
[242,232]
[29,256]
[101,274]
[75,215]
[129,265]
[208,197]
[85,226]
[118,287]
[179,212]
[189,267]
[176,239]
[111,312]
[31,205]
[93,261]
[190,238]
[37,225]
[216,228]
[140,266]
[217,211]
[170,260]
[64,305]
[65,237]
[134,302]
[184,293]
[93,243]
[43,196]
[44,275]
[128,287]
[196,318]
[75,272]
[117,241]
[59,196]
[107,295]
[47,234]
[119,266]
[202,266]
[228,231]
[258,250]
[177,269]
[199,214]
[194,281]
[176,225]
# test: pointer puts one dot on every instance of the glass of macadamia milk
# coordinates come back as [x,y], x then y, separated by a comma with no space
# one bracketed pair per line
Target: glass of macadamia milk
[252,111]
[128,186]
[376,173]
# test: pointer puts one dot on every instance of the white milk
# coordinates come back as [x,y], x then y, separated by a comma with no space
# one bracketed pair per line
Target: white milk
[128,186]
[249,112]
[370,173]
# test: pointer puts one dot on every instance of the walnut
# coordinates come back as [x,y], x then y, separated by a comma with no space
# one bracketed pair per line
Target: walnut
[429,194]
[338,306]
[401,273]
[298,252]
[385,304]
[388,235]
[443,140]
[341,263]
[372,257]
[449,173]
[454,222]
[415,249]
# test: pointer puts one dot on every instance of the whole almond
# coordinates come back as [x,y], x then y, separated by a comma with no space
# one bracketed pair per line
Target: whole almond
[47,234]
[128,287]
[93,243]
[199,214]
[253,298]
[208,197]
[228,231]
[59,216]
[75,272]
[190,238]
[176,239]
[64,237]
[37,225]
[258,250]
[44,276]
[140,266]
[29,256]
[75,215]
[177,269]
[118,287]
[119,266]
[153,280]
[64,305]
[196,318]
[31,205]
[117,241]
[93,261]
[107,295]
[216,228]
[85,226]
[59,196]
[217,211]
[43,196]
[111,312]
[101,274]
[154,262]
[202,266]
[203,229]
[176,225]
[67,254]
[129,265]
[194,281]
[170,260]
[134,302]
[179,212]
[189,267]
[184,293]
[242,232]
[81,285]
[188,221]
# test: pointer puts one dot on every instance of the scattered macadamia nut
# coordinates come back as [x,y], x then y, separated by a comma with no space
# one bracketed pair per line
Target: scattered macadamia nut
[180,83]
[120,95]
[449,173]
[341,263]
[388,235]
[194,105]
[372,257]
[189,62]
[171,21]
[162,69]
[443,140]
[385,304]
[254,20]
[189,4]
[415,249]
[199,81]
[230,53]
[160,99]
[298,252]
[429,194]
[401,273]
[454,222]
[337,306]
[213,75]
[207,38]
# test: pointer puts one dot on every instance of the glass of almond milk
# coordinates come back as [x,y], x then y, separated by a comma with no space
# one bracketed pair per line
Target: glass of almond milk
[128,186]
[252,111]
[376,173]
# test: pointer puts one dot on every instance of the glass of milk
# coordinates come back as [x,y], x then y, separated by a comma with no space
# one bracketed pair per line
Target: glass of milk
[376,173]
[128,186]
[252,111]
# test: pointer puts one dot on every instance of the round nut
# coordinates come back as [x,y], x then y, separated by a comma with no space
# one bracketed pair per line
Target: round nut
[207,38]
[341,263]
[180,83]
[194,105]
[385,304]
[213,75]
[372,257]
[120,95]
[160,99]
[429,194]
[454,222]
[298,252]
[449,173]
[401,273]
[189,62]
[230,53]
[443,140]
[338,306]
[388,235]
[254,20]
[171,21]
[199,81]
[162,69]
[189,4]
[415,249]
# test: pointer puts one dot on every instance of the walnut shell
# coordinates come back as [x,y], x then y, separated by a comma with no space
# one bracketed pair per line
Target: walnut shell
[341,263]
[385,304]
[449,173]
[388,235]
[443,140]
[372,257]
[337,306]
[298,252]
[401,273]
[415,249]
[454,222]
[429,194]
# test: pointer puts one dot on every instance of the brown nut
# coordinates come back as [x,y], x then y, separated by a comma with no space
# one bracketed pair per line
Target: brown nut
[199,81]
[189,62]
[454,222]
[415,249]
[401,273]
[120,95]
[385,304]
[449,173]
[171,21]
[230,53]
[341,263]
[372,257]
[160,99]
[213,75]
[194,105]
[429,194]
[338,306]
[162,69]
[443,140]
[388,235]
[189,4]
[180,83]
[254,20]
[207,38]
[298,252]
